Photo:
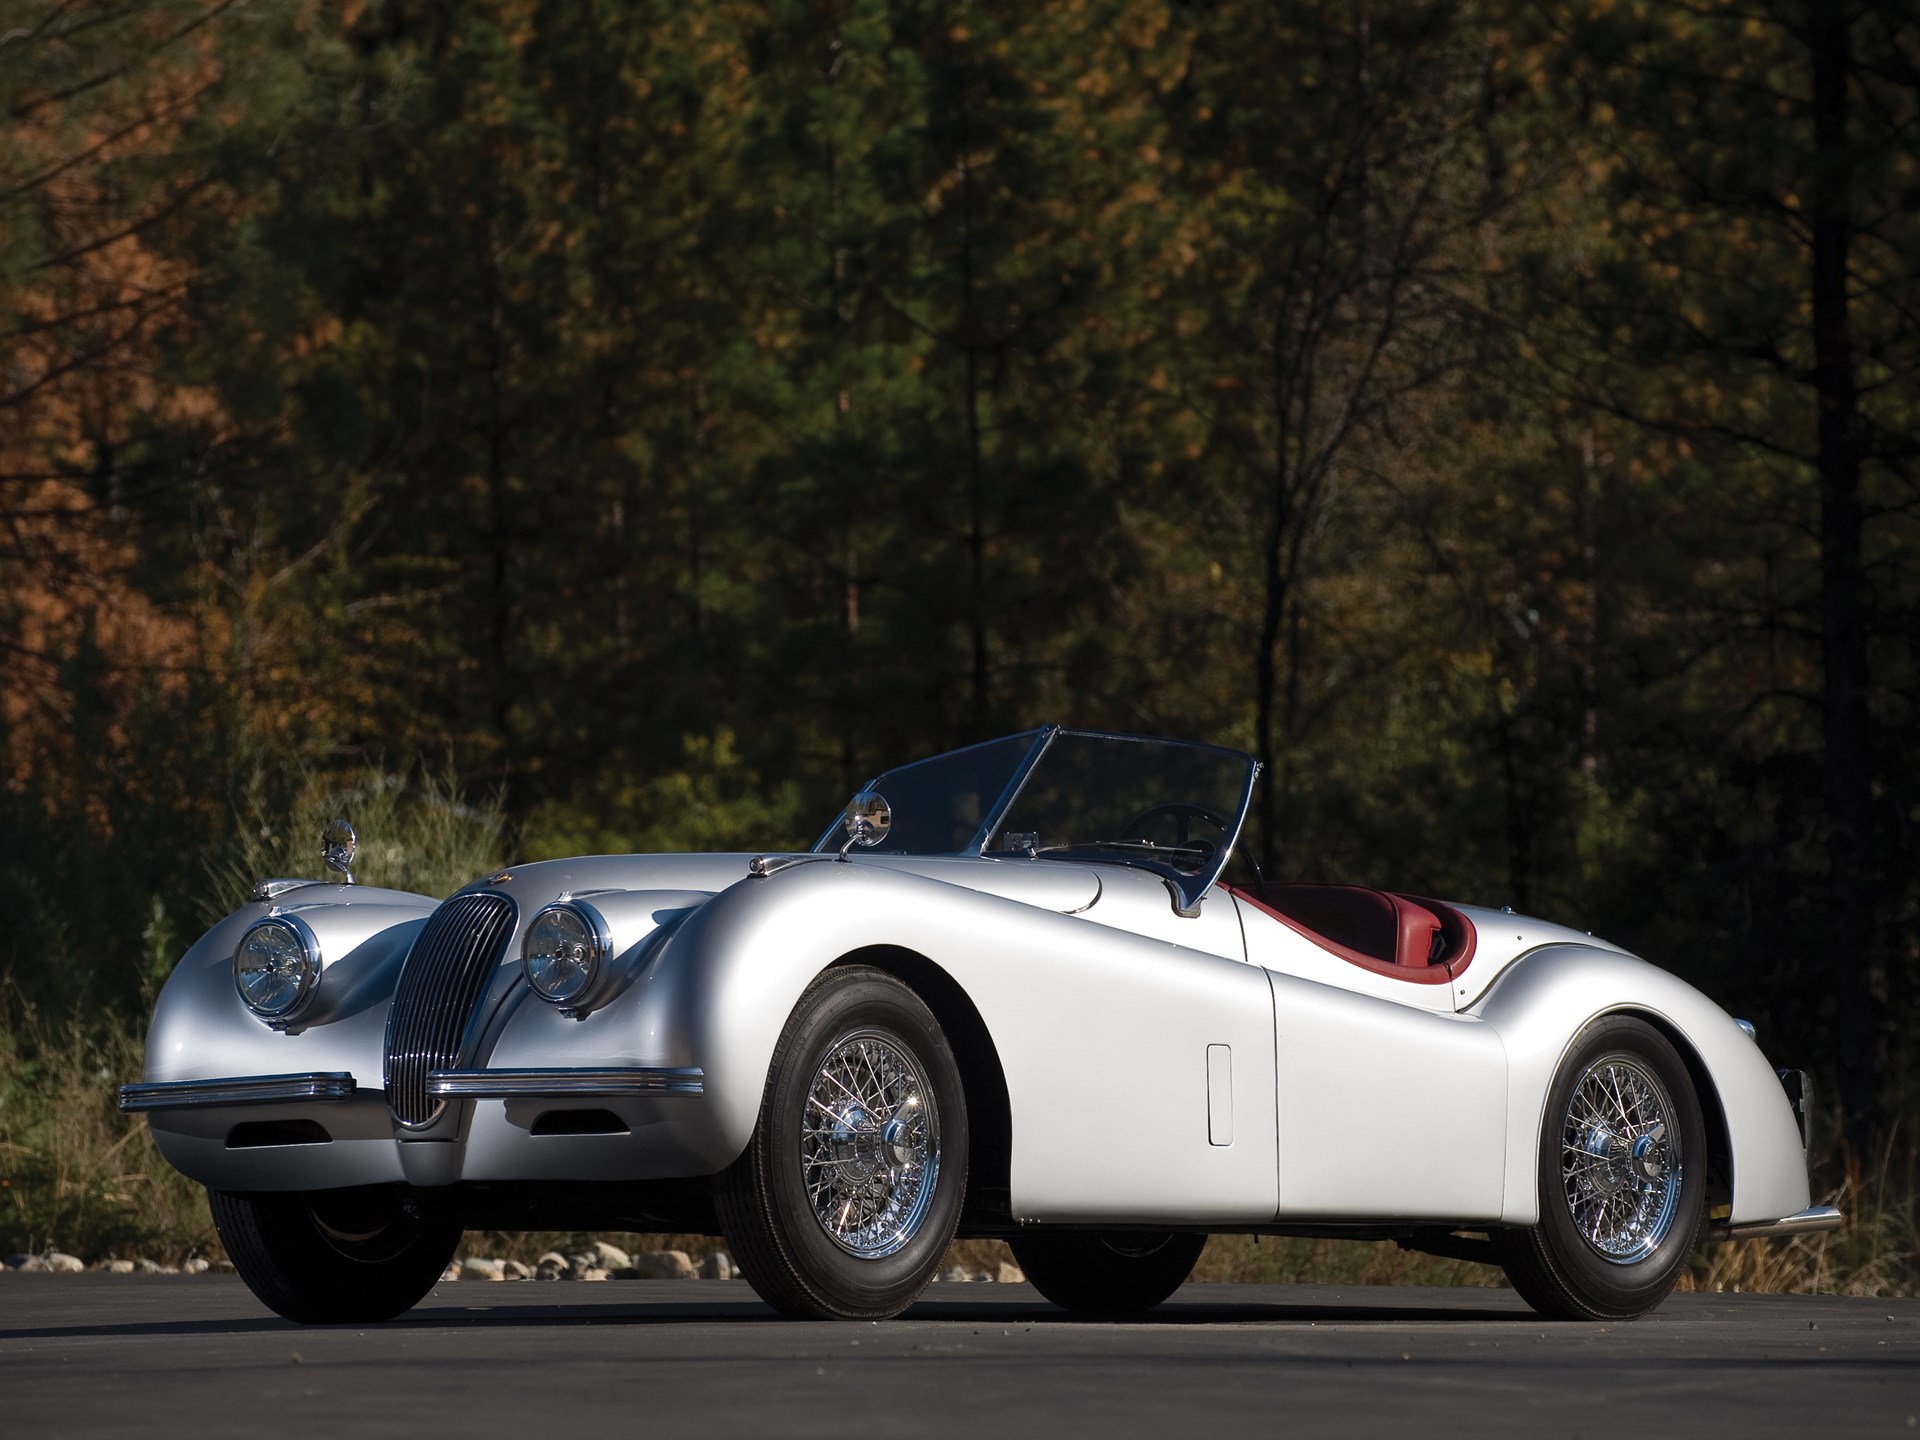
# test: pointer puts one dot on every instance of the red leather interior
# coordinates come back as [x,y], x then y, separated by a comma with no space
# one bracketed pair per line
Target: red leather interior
[1399,935]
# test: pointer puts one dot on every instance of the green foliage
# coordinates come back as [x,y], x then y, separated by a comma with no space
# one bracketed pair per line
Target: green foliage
[714,802]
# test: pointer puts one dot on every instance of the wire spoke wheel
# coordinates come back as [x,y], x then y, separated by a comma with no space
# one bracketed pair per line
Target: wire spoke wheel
[1620,1159]
[1622,1166]
[870,1144]
[845,1198]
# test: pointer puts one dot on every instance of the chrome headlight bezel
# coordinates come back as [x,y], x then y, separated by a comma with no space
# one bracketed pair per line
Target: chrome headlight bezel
[308,961]
[596,948]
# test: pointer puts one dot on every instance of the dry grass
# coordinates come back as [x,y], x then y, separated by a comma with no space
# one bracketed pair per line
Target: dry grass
[1877,1253]
[1270,1260]
[416,833]
[75,1174]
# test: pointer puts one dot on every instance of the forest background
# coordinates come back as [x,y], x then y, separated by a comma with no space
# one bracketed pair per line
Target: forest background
[545,426]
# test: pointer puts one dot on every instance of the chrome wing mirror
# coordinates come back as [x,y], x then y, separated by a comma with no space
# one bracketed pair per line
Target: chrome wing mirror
[868,819]
[337,846]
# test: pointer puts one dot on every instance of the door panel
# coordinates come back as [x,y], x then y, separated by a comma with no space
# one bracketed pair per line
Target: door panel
[1390,1105]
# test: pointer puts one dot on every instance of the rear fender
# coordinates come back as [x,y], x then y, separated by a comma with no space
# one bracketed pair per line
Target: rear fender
[1545,998]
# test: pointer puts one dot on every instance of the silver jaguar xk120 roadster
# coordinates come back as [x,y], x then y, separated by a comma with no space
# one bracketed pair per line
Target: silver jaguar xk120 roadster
[1019,998]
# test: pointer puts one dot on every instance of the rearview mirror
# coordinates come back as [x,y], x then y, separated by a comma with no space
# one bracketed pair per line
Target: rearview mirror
[868,819]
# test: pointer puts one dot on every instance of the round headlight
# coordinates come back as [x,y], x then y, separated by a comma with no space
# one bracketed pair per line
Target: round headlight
[564,948]
[276,966]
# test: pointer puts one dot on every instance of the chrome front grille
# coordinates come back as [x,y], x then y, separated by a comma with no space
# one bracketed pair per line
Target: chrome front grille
[445,976]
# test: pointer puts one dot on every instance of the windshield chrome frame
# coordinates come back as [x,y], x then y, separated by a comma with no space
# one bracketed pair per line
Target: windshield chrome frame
[1187,891]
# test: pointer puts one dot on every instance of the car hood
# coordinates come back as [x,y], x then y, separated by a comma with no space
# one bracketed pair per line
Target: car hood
[1057,886]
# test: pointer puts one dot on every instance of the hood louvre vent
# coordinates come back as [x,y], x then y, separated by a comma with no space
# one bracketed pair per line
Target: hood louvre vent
[441,985]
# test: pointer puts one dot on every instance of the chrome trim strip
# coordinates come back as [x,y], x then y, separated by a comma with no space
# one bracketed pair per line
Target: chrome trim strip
[275,886]
[236,1090]
[562,1083]
[1815,1221]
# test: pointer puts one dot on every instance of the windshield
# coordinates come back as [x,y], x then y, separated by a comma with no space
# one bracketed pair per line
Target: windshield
[1163,805]
[1171,806]
[941,805]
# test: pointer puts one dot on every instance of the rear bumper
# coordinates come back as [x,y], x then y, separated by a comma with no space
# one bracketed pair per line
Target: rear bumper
[1799,1087]
[1817,1220]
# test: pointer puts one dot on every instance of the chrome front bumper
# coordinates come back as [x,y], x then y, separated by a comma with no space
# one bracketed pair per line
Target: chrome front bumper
[562,1084]
[236,1090]
[333,1085]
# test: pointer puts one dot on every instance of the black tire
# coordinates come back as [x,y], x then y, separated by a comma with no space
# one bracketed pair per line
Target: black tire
[1555,1266]
[1111,1274]
[333,1257]
[783,1245]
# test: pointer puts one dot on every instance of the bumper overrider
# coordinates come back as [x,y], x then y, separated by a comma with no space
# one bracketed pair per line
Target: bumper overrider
[336,1085]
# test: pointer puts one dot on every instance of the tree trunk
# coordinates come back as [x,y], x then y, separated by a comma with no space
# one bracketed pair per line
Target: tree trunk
[1843,622]
[976,499]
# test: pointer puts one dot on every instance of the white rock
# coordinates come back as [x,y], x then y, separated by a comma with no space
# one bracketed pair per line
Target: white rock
[517,1271]
[578,1265]
[476,1267]
[957,1274]
[34,1263]
[610,1257]
[664,1265]
[717,1266]
[552,1266]
[62,1263]
[153,1267]
[196,1266]
[120,1267]
[1010,1274]
[452,1272]
[592,1272]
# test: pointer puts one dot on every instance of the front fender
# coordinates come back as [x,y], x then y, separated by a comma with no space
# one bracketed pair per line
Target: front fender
[1102,1034]
[202,1029]
[1545,998]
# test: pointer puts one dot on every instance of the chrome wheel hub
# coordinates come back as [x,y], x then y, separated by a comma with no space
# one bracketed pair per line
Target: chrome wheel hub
[870,1144]
[1620,1163]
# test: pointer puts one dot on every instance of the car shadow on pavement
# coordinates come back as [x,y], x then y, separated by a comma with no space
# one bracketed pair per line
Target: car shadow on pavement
[442,1312]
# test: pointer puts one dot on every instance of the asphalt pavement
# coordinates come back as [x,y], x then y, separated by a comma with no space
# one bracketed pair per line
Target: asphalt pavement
[151,1355]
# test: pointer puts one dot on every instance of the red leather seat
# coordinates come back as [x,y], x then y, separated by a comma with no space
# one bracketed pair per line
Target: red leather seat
[1398,935]
[1389,928]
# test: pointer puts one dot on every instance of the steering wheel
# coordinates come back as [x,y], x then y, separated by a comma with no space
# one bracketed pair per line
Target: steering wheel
[1139,827]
